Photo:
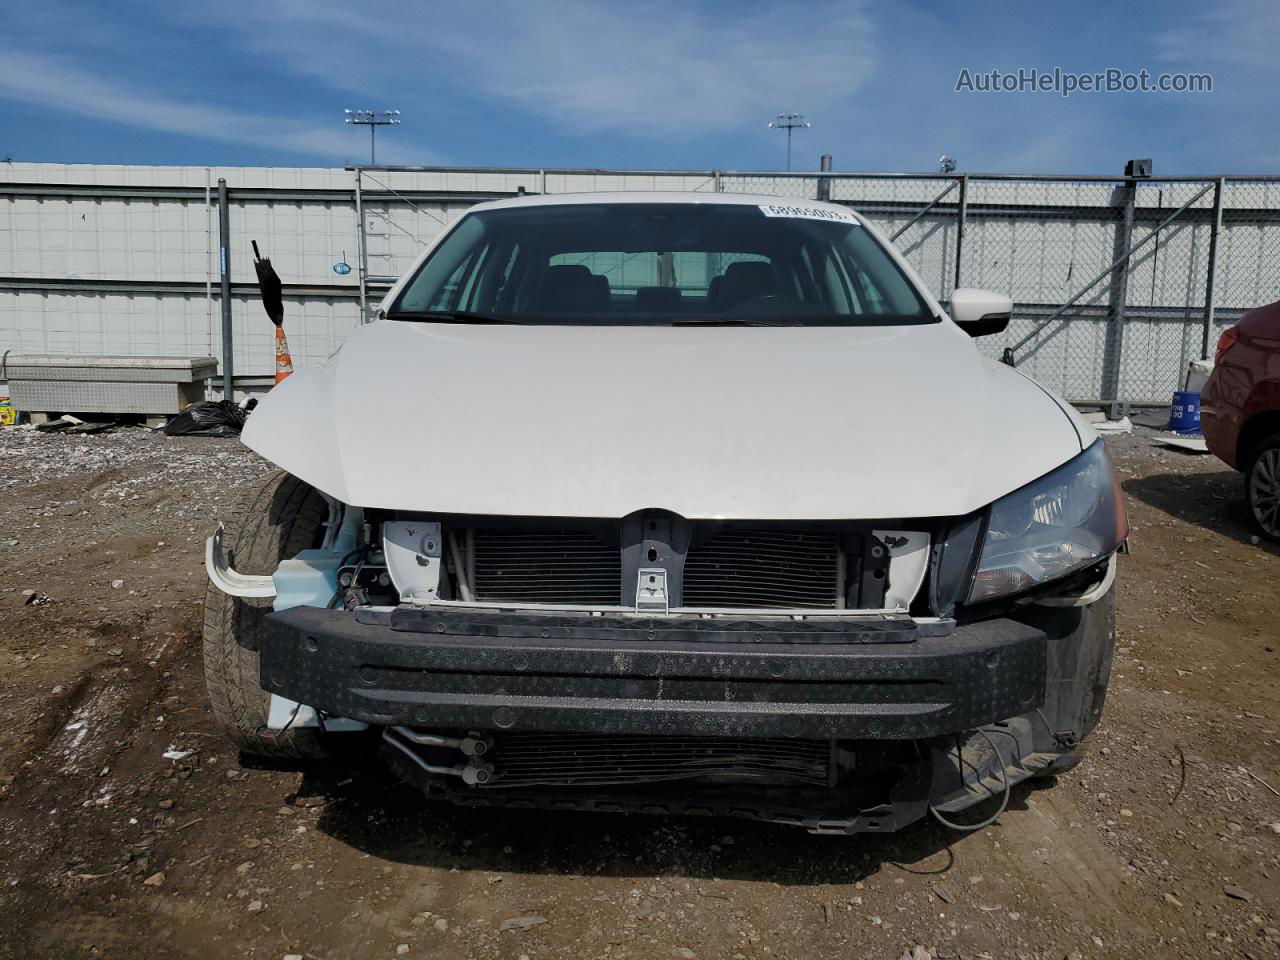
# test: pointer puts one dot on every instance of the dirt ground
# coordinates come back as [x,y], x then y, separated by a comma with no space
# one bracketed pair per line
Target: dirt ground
[1164,843]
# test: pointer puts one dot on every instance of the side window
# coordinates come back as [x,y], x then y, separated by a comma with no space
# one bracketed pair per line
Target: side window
[876,303]
[828,277]
[471,284]
[511,270]
[436,285]
[884,290]
[872,299]
[814,287]
[480,282]
[499,280]
[447,293]
[843,297]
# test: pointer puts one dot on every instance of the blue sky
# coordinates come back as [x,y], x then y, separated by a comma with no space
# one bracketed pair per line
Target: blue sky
[655,85]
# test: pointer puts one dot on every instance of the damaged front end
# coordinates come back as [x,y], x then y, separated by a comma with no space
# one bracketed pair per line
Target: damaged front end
[708,546]
[840,731]
[835,676]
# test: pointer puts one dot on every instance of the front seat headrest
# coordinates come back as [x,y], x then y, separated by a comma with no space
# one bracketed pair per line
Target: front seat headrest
[745,280]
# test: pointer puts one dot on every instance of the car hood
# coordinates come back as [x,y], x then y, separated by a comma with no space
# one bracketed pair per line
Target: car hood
[707,422]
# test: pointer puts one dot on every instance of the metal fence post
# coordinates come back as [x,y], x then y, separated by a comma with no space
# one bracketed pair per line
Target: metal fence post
[224,288]
[824,183]
[1211,277]
[362,255]
[962,211]
[1113,348]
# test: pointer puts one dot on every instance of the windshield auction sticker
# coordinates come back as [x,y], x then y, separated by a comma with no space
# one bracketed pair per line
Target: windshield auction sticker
[808,213]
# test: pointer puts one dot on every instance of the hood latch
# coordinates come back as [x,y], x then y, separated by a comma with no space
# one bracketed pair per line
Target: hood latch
[651,590]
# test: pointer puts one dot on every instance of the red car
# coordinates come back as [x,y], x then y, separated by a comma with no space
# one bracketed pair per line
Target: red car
[1240,410]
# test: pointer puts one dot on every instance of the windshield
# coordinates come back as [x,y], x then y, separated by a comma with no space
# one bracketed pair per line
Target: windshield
[661,263]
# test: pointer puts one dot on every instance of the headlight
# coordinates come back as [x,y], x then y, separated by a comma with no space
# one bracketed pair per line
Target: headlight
[1056,525]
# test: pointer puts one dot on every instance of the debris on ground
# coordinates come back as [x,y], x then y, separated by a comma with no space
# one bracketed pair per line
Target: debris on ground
[110,679]
[207,418]
[1189,444]
[522,923]
[1123,425]
[64,422]
[101,426]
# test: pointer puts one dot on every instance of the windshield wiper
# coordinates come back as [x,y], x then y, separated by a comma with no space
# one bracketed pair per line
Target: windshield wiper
[449,316]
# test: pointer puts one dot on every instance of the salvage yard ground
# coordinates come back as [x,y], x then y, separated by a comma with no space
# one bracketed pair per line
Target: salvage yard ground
[129,828]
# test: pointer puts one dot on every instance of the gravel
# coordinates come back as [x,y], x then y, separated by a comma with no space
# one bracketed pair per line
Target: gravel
[181,481]
[150,458]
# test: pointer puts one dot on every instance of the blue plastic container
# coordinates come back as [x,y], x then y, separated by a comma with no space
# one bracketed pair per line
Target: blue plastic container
[1184,415]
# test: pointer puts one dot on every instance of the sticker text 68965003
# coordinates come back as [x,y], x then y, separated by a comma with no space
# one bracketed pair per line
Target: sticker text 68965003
[808,213]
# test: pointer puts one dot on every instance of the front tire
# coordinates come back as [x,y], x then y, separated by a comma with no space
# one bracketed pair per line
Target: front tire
[277,517]
[1262,486]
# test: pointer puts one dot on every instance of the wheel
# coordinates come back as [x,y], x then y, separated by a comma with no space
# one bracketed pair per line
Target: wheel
[278,516]
[1262,486]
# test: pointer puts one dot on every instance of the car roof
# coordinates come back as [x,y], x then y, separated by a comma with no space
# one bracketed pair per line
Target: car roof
[653,196]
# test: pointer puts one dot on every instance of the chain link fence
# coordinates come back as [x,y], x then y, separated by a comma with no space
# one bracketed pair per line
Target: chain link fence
[1118,283]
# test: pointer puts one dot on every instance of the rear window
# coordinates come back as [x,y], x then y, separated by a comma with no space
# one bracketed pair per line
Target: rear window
[661,263]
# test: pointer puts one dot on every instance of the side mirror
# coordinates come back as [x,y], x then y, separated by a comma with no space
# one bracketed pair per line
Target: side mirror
[980,313]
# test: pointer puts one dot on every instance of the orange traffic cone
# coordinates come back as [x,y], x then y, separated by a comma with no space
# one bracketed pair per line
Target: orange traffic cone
[284,363]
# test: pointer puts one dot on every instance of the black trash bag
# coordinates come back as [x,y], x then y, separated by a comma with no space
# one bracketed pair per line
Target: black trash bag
[208,418]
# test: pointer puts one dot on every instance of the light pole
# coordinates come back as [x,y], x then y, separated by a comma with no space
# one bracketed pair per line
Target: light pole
[789,122]
[373,120]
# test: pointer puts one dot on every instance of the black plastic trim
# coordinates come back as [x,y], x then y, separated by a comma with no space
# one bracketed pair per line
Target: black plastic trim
[684,628]
[504,671]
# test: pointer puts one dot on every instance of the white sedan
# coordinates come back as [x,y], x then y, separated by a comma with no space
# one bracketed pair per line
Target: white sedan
[676,503]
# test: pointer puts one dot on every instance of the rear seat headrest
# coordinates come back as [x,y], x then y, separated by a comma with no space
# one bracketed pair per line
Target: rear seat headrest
[658,299]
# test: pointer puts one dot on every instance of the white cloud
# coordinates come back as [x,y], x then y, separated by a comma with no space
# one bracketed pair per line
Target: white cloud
[53,82]
[665,68]
[598,69]
[1234,41]
[1235,34]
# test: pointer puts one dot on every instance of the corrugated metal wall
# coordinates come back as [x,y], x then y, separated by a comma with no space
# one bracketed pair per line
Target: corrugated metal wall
[155,226]
[106,259]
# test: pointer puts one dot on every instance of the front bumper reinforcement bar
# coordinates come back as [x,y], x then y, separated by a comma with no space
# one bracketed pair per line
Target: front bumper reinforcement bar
[661,676]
